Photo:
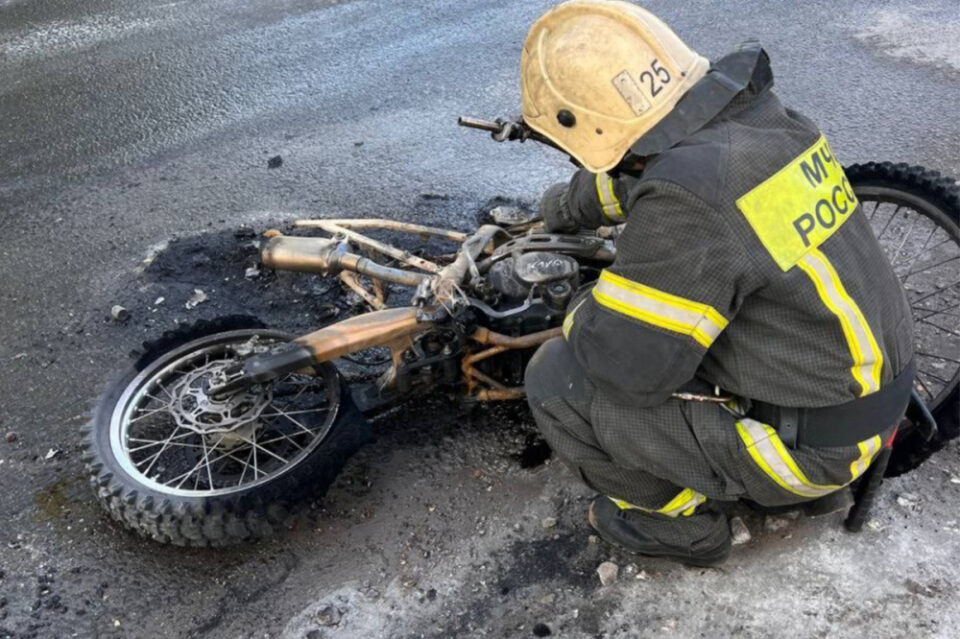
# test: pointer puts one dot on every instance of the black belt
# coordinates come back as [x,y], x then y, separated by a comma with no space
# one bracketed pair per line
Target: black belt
[843,424]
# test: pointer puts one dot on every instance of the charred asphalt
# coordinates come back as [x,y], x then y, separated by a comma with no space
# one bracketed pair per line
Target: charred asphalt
[138,146]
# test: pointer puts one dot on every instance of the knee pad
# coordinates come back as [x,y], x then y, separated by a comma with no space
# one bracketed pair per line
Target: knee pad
[554,371]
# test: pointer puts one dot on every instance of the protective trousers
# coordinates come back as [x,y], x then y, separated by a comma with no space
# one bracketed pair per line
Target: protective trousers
[670,460]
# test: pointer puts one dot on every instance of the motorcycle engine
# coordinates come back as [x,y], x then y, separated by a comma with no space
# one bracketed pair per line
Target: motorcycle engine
[552,275]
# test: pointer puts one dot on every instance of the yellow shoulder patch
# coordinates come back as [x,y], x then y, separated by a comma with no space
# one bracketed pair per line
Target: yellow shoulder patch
[801,205]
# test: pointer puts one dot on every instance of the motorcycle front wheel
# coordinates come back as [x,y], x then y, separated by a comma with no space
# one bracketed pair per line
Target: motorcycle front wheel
[180,466]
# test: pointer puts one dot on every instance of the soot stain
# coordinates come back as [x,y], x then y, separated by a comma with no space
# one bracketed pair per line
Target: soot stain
[225,265]
[535,452]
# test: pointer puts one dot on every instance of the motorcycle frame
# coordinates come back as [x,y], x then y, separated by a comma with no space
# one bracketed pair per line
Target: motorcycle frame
[394,328]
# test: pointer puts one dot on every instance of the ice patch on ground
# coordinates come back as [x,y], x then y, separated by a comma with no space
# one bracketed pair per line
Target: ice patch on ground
[345,612]
[918,35]
[63,36]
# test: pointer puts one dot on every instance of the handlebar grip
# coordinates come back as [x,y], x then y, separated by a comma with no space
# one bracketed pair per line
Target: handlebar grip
[477,123]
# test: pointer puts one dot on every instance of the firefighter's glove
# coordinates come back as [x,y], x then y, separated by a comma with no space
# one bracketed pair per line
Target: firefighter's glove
[555,211]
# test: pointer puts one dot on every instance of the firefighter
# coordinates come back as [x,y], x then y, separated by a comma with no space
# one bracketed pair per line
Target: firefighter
[744,268]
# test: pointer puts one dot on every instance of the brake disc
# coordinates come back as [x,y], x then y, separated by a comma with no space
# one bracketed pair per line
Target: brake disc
[195,409]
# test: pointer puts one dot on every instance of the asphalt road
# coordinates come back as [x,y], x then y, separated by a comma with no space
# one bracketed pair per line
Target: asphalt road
[126,124]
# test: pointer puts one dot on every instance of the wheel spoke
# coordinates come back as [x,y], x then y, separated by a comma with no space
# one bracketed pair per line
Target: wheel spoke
[294,412]
[291,400]
[258,446]
[156,456]
[206,456]
[889,220]
[152,444]
[949,331]
[939,311]
[152,412]
[946,359]
[919,318]
[230,455]
[159,441]
[253,447]
[198,465]
[927,268]
[932,293]
[942,242]
[246,465]
[935,311]
[912,259]
[295,422]
[903,242]
[164,389]
[282,437]
[140,440]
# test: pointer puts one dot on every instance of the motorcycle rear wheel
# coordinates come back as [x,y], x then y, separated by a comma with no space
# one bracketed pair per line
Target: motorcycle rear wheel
[915,213]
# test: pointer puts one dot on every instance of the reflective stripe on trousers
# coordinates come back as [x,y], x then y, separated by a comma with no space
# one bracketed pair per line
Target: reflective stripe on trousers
[771,455]
[685,503]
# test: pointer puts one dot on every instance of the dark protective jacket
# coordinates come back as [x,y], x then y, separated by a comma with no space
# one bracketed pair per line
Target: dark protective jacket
[746,262]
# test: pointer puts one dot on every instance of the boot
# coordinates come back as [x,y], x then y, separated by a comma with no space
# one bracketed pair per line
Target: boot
[633,530]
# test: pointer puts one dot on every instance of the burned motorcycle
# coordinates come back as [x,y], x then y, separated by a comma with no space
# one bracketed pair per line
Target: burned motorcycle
[220,430]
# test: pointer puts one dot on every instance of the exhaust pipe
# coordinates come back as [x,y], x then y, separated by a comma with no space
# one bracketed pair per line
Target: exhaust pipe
[303,254]
[328,257]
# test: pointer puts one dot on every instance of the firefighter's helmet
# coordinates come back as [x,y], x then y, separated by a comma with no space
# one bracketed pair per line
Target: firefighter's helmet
[598,74]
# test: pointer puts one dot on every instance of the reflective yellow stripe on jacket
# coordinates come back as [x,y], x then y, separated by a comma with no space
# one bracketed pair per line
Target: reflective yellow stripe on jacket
[867,356]
[568,320]
[700,321]
[608,199]
[685,503]
[771,455]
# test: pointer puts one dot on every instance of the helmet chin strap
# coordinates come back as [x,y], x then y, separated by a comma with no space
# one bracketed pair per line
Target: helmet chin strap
[746,68]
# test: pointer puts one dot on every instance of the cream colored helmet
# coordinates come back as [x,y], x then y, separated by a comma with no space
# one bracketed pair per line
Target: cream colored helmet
[598,74]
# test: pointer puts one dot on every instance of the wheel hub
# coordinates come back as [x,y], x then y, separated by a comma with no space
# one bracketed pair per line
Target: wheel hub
[195,409]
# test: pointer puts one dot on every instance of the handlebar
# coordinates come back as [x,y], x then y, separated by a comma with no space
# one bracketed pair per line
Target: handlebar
[502,130]
[477,123]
